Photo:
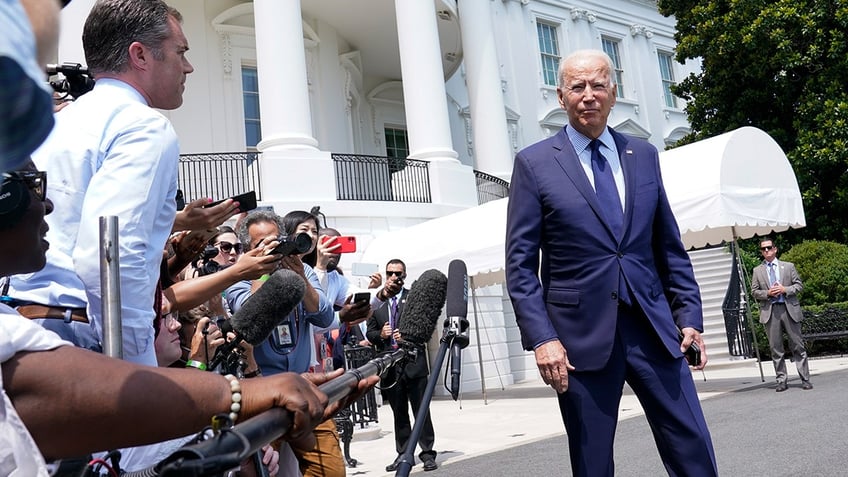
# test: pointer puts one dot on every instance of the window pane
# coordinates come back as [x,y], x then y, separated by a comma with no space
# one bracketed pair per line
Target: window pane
[611,48]
[250,100]
[667,75]
[549,50]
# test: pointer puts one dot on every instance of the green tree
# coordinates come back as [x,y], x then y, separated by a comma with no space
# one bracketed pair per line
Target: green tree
[781,66]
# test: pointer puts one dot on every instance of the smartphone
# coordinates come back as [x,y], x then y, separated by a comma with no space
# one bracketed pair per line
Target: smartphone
[348,244]
[247,201]
[693,352]
[361,269]
[361,297]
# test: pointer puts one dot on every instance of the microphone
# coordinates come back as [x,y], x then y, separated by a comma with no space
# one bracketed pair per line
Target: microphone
[262,312]
[417,323]
[423,307]
[457,323]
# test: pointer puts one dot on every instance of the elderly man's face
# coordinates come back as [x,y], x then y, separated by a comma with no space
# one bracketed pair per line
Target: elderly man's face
[587,94]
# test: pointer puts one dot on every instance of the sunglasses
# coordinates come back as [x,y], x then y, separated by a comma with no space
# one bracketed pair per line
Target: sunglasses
[397,274]
[228,247]
[36,181]
[767,248]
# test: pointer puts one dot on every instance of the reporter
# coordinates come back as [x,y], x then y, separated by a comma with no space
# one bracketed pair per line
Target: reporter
[101,396]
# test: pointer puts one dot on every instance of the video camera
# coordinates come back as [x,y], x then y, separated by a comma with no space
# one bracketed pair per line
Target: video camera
[75,80]
[300,243]
[205,264]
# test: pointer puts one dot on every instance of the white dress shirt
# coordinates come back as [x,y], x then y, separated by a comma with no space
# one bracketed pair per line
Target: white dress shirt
[110,154]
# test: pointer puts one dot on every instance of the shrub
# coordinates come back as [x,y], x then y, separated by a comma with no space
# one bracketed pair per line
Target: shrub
[823,267]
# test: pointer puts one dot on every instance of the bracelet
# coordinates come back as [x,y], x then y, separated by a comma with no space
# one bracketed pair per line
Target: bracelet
[235,389]
[253,374]
[196,364]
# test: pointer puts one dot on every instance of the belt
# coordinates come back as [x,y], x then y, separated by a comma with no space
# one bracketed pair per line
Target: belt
[41,311]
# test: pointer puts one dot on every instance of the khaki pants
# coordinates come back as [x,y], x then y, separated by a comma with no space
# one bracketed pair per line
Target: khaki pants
[325,460]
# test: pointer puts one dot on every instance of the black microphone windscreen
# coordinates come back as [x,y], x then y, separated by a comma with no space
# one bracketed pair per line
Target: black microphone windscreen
[423,307]
[268,306]
[457,299]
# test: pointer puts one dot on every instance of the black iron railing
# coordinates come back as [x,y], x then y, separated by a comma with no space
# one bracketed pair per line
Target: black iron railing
[360,177]
[490,187]
[219,175]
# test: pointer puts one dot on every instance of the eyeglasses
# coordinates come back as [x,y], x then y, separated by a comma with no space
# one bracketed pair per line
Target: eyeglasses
[36,181]
[397,274]
[227,247]
[767,248]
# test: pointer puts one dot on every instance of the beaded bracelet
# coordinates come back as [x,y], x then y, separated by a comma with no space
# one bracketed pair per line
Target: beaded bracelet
[196,364]
[235,389]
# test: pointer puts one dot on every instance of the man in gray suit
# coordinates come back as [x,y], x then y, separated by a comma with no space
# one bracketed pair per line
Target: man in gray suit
[775,286]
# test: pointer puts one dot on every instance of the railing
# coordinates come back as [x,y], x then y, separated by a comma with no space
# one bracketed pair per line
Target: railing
[219,175]
[490,187]
[360,177]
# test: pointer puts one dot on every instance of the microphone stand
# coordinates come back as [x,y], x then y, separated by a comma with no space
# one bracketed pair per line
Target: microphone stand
[407,459]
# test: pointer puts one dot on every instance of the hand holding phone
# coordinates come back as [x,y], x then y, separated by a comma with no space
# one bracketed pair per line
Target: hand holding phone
[347,244]
[247,201]
[693,352]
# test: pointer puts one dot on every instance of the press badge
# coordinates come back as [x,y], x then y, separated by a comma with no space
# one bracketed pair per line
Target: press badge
[284,334]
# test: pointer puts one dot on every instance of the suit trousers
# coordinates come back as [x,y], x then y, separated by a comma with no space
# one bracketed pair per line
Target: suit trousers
[665,389]
[408,391]
[779,321]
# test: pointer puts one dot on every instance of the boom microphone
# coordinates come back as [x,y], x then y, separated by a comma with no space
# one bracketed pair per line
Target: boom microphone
[423,307]
[457,311]
[417,322]
[262,312]
[224,451]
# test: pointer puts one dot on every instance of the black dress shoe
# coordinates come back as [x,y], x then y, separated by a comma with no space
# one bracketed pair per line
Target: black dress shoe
[393,466]
[430,464]
[781,387]
[807,386]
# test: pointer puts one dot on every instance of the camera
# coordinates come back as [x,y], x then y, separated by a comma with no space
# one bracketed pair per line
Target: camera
[300,243]
[205,264]
[76,82]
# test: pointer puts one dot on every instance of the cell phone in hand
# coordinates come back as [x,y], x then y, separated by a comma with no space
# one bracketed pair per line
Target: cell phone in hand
[247,201]
[693,352]
[348,244]
[361,297]
[361,269]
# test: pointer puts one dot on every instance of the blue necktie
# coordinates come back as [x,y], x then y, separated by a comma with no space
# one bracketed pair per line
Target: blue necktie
[773,279]
[606,190]
[610,204]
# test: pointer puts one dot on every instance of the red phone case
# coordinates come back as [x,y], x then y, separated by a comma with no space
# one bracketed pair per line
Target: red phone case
[348,244]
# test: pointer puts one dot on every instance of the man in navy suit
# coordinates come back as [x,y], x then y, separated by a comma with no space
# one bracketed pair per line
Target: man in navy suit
[600,280]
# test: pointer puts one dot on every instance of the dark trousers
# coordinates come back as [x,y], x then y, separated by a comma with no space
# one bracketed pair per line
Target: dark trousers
[410,391]
[666,391]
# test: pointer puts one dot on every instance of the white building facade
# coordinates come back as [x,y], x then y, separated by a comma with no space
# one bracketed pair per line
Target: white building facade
[460,84]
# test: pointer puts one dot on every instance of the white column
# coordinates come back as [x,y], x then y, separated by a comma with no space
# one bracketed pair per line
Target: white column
[424,93]
[492,151]
[281,66]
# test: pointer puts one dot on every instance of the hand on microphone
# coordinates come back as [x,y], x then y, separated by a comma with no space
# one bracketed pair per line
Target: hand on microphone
[553,364]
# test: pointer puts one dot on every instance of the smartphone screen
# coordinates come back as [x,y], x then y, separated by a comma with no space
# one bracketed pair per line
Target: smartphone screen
[360,269]
[361,297]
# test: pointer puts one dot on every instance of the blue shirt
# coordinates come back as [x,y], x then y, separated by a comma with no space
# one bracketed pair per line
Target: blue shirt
[109,154]
[274,355]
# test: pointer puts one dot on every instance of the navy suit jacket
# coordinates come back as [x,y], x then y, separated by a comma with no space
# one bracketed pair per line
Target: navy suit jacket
[563,261]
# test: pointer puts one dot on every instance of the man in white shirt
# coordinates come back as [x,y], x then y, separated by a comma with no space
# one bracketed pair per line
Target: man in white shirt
[112,154]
